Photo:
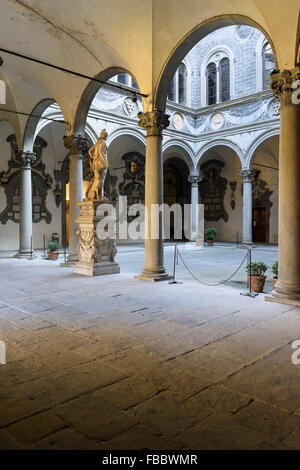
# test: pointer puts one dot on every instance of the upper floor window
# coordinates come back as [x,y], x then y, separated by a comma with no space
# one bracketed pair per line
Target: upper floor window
[211,79]
[224,78]
[182,84]
[127,80]
[122,78]
[268,64]
[218,81]
[178,86]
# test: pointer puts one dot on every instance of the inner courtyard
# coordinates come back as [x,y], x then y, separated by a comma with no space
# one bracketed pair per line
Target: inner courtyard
[145,366]
[149,225]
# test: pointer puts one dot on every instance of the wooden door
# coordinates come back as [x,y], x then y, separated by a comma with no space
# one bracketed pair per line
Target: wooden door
[259,224]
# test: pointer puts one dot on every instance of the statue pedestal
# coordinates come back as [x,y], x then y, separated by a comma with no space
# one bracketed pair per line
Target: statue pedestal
[96,256]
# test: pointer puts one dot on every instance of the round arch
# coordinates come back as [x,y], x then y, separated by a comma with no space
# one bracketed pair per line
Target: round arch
[89,93]
[189,41]
[257,142]
[220,143]
[32,123]
[56,114]
[126,132]
[186,154]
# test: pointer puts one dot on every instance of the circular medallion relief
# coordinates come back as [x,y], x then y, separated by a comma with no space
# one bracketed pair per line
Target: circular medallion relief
[130,107]
[243,32]
[217,121]
[178,121]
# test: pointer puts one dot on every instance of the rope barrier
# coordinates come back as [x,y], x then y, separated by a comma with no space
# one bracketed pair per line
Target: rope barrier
[206,283]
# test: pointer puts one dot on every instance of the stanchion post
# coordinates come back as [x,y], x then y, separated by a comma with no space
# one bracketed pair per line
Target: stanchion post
[173,280]
[249,274]
[31,250]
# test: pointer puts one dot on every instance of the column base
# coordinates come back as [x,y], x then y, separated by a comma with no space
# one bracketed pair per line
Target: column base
[282,300]
[23,254]
[285,293]
[195,245]
[152,276]
[97,269]
[71,260]
[247,242]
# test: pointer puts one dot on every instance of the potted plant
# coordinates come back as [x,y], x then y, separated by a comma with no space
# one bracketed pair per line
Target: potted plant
[256,275]
[210,235]
[274,269]
[53,250]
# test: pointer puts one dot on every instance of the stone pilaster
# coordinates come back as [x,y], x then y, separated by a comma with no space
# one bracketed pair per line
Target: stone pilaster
[247,176]
[153,122]
[77,145]
[288,285]
[25,225]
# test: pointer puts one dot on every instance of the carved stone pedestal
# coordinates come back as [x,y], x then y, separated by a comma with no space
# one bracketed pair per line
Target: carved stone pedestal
[96,256]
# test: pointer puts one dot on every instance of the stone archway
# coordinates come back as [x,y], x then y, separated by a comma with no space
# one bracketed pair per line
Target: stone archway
[189,41]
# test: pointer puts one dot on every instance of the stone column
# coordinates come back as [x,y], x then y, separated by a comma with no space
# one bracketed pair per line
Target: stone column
[154,122]
[288,284]
[76,144]
[247,176]
[194,180]
[25,224]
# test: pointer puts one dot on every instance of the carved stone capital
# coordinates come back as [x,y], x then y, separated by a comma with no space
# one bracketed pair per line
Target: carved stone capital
[247,175]
[154,122]
[26,158]
[194,180]
[76,144]
[282,84]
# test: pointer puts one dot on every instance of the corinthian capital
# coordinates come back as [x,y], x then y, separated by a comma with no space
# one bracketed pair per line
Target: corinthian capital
[76,144]
[154,122]
[247,175]
[194,180]
[282,84]
[26,158]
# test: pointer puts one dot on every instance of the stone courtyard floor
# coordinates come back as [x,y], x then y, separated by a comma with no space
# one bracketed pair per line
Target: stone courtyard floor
[116,363]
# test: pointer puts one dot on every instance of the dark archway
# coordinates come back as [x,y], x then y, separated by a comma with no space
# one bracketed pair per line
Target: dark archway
[176,187]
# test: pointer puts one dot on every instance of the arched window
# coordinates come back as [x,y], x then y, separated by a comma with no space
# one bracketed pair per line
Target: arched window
[268,63]
[211,81]
[224,78]
[182,84]
[126,79]
[178,85]
[122,78]
[133,83]
[171,92]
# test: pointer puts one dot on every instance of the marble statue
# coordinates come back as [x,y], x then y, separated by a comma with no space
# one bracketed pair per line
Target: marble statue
[98,165]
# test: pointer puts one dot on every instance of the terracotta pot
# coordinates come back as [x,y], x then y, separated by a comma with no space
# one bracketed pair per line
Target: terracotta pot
[257,283]
[210,242]
[274,280]
[53,255]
